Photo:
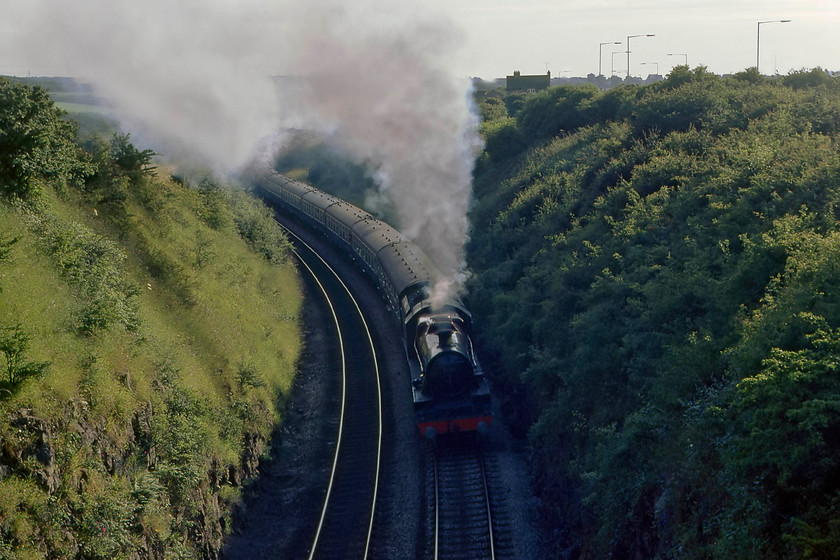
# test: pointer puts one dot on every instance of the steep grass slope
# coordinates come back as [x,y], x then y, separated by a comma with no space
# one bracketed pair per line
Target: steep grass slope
[148,333]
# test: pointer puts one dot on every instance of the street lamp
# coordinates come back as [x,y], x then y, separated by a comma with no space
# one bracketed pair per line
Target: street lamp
[657,66]
[680,54]
[758,37]
[612,68]
[600,53]
[628,50]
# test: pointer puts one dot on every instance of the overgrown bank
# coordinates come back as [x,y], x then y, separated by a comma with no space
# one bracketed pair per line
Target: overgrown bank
[655,276]
[148,333]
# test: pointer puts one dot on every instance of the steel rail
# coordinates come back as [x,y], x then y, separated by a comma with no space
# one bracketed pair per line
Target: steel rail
[437,509]
[343,404]
[343,399]
[488,509]
[487,501]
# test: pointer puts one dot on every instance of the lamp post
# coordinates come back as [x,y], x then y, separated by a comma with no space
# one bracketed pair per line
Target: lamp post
[685,56]
[628,50]
[758,38]
[657,66]
[612,68]
[600,53]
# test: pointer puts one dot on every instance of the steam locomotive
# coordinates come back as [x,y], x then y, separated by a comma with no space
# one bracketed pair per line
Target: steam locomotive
[449,388]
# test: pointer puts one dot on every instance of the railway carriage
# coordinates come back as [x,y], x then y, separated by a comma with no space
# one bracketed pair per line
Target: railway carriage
[449,388]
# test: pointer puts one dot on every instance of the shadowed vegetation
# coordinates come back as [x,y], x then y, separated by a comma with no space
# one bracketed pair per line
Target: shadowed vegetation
[655,277]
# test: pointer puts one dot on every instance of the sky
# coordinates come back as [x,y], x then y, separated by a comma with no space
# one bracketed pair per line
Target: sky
[496,37]
[564,36]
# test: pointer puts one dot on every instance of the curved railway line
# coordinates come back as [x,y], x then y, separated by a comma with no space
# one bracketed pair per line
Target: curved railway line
[350,496]
[346,521]
[464,520]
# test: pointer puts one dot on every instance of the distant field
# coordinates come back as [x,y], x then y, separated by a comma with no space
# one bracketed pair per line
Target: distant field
[91,112]
[73,108]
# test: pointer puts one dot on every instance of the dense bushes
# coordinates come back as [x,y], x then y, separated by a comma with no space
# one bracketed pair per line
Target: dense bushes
[659,279]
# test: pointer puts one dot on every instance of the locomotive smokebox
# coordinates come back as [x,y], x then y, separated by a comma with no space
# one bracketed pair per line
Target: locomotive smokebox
[444,351]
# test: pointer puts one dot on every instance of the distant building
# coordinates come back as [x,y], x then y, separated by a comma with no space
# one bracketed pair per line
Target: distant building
[518,82]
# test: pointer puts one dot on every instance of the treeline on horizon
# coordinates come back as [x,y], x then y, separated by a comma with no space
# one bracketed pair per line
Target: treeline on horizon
[656,279]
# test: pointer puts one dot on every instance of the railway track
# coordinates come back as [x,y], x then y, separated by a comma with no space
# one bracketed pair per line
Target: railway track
[469,515]
[463,521]
[345,525]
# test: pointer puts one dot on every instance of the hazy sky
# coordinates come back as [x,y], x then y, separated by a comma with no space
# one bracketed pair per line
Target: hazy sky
[499,36]
[504,35]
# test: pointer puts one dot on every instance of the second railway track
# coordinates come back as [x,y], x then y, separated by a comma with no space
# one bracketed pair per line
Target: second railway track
[346,521]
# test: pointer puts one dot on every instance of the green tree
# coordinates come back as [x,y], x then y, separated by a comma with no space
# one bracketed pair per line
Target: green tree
[804,79]
[556,110]
[786,419]
[134,163]
[503,139]
[656,270]
[36,142]
[492,108]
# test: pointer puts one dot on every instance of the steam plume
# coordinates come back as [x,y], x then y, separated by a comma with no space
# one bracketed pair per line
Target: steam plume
[195,77]
[383,91]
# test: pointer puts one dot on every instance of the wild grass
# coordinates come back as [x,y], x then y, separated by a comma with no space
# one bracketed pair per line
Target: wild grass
[208,359]
[33,296]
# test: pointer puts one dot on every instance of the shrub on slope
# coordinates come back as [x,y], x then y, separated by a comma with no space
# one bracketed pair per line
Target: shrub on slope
[658,282]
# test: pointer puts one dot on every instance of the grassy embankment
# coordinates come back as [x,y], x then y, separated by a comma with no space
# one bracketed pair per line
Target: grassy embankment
[149,333]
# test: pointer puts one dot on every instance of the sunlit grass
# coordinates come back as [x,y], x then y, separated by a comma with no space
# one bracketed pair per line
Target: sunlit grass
[148,333]
[211,309]
[245,309]
[42,304]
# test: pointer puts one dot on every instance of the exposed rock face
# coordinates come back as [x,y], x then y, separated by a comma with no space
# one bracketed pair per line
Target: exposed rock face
[36,449]
[33,451]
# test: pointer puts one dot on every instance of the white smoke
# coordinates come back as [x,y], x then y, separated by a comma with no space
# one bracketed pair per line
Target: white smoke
[192,78]
[381,88]
[197,78]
